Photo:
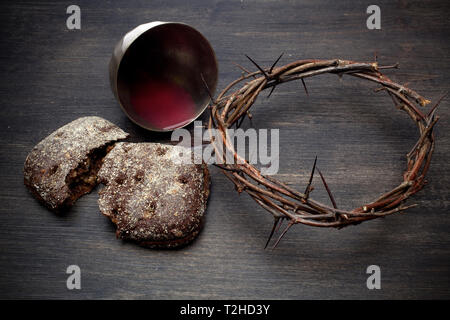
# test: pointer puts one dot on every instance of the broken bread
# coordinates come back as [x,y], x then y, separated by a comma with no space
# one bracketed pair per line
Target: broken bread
[63,167]
[150,196]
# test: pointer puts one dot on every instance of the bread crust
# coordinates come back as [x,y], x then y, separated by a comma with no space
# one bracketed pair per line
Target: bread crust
[150,197]
[63,166]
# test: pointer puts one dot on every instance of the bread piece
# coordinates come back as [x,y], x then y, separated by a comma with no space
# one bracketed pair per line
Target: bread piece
[63,167]
[152,199]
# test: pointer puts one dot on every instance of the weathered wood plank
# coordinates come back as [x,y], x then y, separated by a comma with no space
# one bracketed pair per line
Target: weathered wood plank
[51,75]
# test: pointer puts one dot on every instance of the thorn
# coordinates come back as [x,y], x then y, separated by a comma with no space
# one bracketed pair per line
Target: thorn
[276,220]
[379,89]
[279,225]
[259,68]
[436,105]
[431,118]
[239,122]
[270,93]
[207,89]
[211,116]
[328,189]
[276,61]
[394,66]
[308,187]
[283,233]
[304,86]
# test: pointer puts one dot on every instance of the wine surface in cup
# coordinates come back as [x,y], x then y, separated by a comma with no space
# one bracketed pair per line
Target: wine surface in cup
[162,104]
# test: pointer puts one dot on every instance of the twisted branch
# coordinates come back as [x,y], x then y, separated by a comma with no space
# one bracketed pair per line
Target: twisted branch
[285,203]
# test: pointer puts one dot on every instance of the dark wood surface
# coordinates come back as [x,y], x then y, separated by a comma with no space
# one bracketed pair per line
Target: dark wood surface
[50,76]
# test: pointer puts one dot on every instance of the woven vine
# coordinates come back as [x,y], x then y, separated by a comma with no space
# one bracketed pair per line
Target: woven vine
[232,105]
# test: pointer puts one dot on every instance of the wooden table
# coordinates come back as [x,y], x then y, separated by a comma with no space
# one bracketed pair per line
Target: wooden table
[52,75]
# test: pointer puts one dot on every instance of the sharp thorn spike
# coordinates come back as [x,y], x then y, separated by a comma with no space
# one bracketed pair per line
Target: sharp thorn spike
[207,89]
[437,104]
[271,90]
[241,67]
[279,225]
[328,189]
[211,117]
[431,118]
[282,234]
[276,61]
[275,222]
[394,66]
[257,66]
[304,86]
[308,187]
[240,121]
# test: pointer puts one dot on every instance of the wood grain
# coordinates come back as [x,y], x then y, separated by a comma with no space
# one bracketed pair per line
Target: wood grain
[51,75]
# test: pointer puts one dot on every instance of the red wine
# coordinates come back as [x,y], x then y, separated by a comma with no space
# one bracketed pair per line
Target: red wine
[159,83]
[163,105]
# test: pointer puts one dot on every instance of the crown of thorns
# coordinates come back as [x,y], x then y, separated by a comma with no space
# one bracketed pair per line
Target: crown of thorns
[232,106]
